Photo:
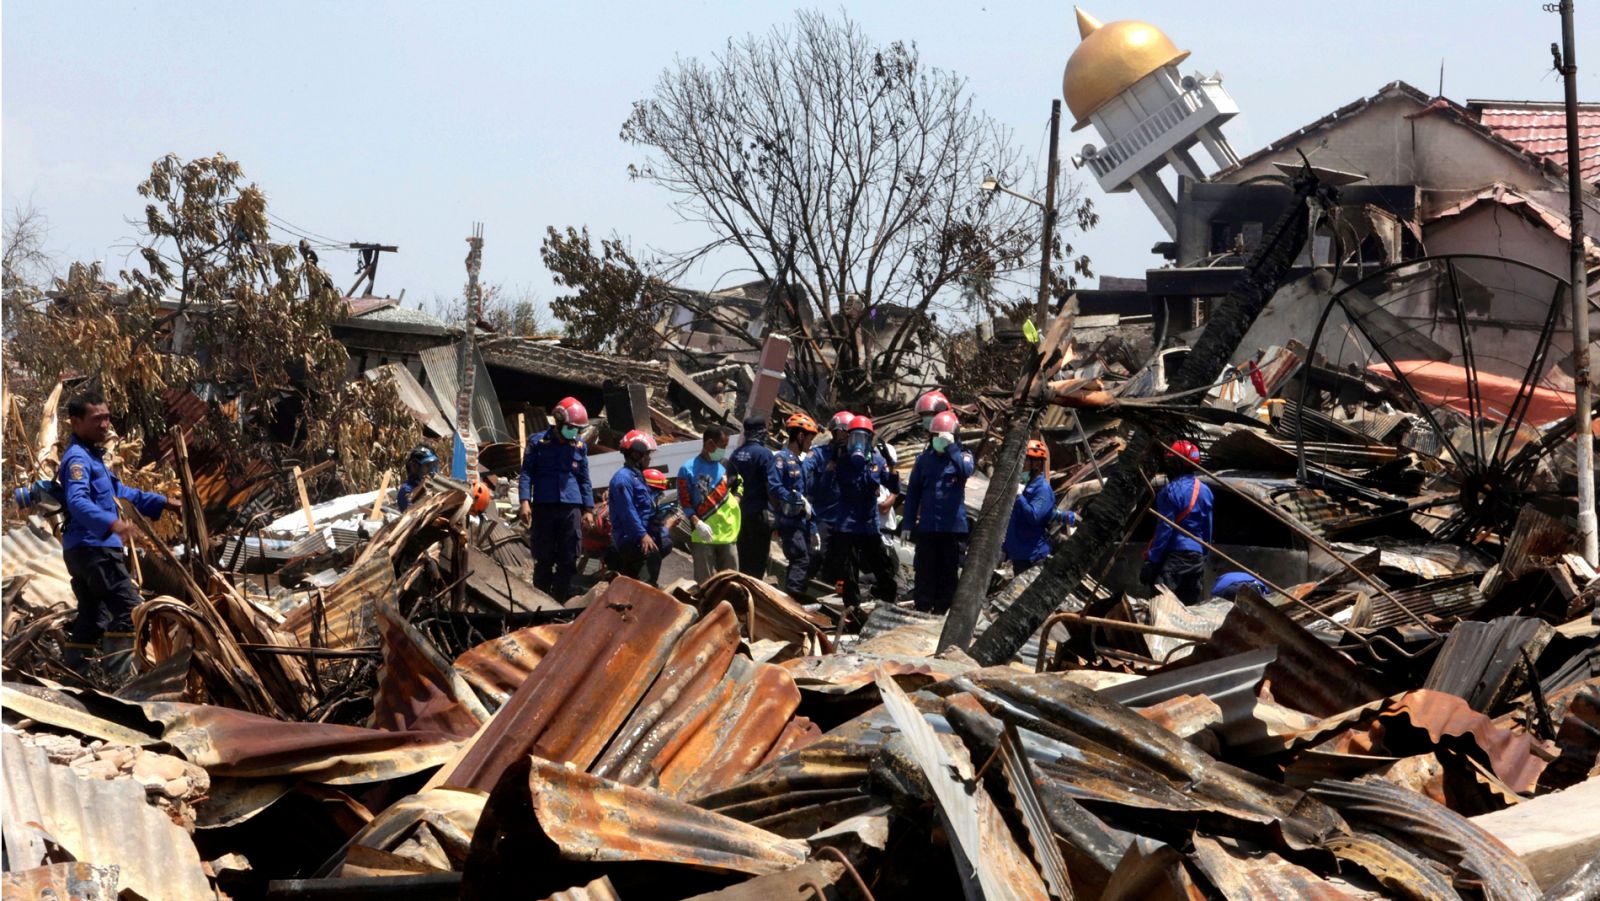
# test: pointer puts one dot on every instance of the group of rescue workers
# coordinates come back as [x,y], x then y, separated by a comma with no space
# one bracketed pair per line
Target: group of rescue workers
[828,504]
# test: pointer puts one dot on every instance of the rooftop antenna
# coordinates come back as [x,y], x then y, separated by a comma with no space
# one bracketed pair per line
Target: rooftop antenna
[1441,77]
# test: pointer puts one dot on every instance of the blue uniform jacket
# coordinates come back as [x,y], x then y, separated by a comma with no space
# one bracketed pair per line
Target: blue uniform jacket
[632,503]
[858,494]
[657,526]
[555,471]
[755,464]
[1171,501]
[822,483]
[92,493]
[402,498]
[1031,515]
[788,509]
[1228,585]
[936,499]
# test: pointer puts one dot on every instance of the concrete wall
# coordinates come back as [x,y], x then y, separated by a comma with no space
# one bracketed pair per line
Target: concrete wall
[1431,151]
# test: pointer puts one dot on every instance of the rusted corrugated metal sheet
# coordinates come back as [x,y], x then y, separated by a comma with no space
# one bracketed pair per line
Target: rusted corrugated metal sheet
[737,732]
[846,673]
[765,612]
[1442,599]
[97,821]
[979,835]
[1307,674]
[1392,866]
[76,881]
[416,689]
[599,890]
[346,608]
[1476,857]
[498,666]
[1482,663]
[32,552]
[1510,754]
[1242,875]
[681,700]
[230,742]
[583,690]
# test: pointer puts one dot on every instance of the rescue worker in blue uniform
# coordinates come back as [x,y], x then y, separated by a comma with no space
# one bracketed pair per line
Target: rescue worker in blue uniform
[1228,585]
[792,510]
[821,474]
[757,468]
[92,542]
[936,515]
[1027,539]
[1173,559]
[632,504]
[556,498]
[421,464]
[857,544]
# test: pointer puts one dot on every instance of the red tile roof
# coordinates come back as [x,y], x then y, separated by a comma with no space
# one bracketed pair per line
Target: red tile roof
[1542,128]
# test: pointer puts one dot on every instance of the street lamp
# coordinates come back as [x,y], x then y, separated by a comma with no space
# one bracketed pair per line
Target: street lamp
[992,184]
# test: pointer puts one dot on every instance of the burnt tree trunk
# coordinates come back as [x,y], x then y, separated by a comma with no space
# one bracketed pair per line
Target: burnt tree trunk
[1125,491]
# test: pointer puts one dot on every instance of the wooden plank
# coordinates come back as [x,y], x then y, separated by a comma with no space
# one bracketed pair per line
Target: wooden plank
[383,489]
[305,501]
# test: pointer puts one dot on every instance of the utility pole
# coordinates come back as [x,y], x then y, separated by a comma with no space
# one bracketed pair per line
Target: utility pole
[1047,242]
[467,369]
[1579,292]
[368,270]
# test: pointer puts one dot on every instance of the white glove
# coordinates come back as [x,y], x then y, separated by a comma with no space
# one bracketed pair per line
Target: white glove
[702,531]
[811,512]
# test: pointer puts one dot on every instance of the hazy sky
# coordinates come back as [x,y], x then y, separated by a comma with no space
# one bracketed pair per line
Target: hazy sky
[404,122]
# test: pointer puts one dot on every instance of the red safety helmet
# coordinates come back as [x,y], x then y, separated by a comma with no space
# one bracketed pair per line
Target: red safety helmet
[638,442]
[480,497]
[656,479]
[932,403]
[841,421]
[945,422]
[570,412]
[1037,449]
[802,422]
[860,424]
[1186,450]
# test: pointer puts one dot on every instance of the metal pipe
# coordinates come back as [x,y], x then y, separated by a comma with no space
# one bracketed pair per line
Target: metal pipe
[1583,434]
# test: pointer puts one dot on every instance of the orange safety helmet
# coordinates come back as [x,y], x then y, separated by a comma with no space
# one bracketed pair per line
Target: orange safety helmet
[638,442]
[656,479]
[945,422]
[570,412]
[860,424]
[1037,449]
[932,403]
[802,422]
[480,497]
[841,421]
[1185,450]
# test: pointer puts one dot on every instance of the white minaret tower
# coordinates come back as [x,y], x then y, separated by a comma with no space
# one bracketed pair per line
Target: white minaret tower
[1123,79]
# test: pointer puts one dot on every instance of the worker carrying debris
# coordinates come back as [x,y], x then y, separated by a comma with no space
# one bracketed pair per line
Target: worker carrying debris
[632,504]
[557,499]
[1174,559]
[857,544]
[757,470]
[793,515]
[1027,536]
[91,543]
[421,464]
[822,487]
[709,496]
[936,514]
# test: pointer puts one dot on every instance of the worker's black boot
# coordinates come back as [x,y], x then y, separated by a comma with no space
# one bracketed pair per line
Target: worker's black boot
[116,657]
[75,656]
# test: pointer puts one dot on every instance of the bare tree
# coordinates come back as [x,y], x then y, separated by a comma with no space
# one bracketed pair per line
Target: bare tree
[847,169]
[25,266]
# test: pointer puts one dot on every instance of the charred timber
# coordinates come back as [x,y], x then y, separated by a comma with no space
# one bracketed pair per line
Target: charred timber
[1125,492]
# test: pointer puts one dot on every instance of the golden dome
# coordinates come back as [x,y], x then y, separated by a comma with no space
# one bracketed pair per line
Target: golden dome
[1111,59]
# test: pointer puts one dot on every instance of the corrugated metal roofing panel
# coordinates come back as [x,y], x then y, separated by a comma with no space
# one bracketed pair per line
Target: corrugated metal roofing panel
[439,364]
[97,821]
[415,397]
